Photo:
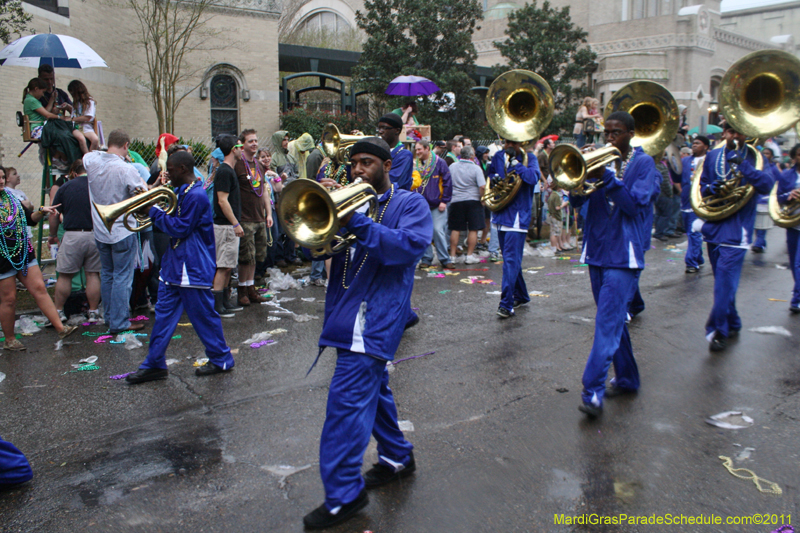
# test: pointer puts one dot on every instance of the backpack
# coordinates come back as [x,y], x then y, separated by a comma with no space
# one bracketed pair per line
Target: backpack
[589,126]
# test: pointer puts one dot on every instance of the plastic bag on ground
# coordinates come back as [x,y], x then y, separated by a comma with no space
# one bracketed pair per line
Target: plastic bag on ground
[258,337]
[131,342]
[25,324]
[304,318]
[77,320]
[278,281]
[541,251]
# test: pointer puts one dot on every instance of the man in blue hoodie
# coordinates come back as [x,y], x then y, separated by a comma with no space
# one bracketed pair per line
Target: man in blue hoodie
[729,239]
[614,250]
[187,274]
[512,222]
[789,191]
[366,308]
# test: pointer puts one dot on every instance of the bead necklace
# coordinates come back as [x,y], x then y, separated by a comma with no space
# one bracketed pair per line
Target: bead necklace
[254,177]
[347,252]
[624,165]
[185,193]
[338,173]
[12,227]
[425,170]
[720,164]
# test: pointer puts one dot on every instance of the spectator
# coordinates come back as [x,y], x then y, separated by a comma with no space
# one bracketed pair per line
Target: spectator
[12,182]
[32,107]
[581,117]
[489,239]
[85,113]
[466,211]
[451,149]
[112,180]
[663,203]
[437,189]
[555,205]
[275,186]
[440,148]
[407,113]
[78,248]
[282,162]
[227,228]
[389,127]
[299,150]
[53,99]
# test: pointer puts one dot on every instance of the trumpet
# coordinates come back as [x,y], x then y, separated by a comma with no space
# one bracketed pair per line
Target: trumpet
[571,168]
[161,195]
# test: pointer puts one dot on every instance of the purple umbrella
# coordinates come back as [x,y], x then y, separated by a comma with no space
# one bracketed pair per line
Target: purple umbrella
[411,86]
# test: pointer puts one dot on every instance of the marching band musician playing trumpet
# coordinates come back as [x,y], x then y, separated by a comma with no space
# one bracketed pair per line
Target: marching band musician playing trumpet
[729,239]
[613,249]
[366,309]
[186,276]
[512,222]
[789,190]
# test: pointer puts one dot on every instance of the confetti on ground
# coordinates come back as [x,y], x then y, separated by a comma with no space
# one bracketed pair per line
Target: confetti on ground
[776,300]
[581,265]
[493,292]
[171,362]
[531,272]
[84,368]
[579,272]
[669,247]
[553,273]
[536,268]
[140,318]
[439,276]
[452,274]
[539,294]
[259,344]
[277,331]
[772,330]
[186,324]
[121,376]
[444,292]
[176,337]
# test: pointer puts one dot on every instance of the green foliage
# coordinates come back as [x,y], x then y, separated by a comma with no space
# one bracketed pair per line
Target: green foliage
[147,149]
[430,39]
[13,19]
[546,42]
[299,121]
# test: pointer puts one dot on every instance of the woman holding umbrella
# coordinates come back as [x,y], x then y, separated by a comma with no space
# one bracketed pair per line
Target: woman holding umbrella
[17,261]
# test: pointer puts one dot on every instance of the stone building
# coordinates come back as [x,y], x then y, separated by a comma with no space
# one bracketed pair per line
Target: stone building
[235,86]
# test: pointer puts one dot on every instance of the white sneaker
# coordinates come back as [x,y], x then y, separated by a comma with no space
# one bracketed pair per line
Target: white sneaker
[320,282]
[471,260]
[94,317]
[62,317]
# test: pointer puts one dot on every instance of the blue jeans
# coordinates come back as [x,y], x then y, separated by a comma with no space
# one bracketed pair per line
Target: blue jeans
[662,216]
[440,239]
[674,214]
[317,268]
[116,277]
[494,240]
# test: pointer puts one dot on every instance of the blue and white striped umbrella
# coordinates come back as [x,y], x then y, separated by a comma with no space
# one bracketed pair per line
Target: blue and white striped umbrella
[61,51]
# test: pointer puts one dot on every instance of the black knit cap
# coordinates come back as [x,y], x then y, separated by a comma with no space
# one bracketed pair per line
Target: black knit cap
[374,146]
[392,120]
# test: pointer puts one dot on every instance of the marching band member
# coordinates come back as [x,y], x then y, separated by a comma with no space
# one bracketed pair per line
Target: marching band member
[512,222]
[612,248]
[789,190]
[366,308]
[729,239]
[694,251]
[186,277]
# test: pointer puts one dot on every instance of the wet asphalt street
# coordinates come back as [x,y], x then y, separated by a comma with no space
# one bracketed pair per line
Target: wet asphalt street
[499,443]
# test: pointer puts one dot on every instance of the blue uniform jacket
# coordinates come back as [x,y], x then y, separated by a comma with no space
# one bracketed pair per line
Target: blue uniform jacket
[686,184]
[776,174]
[402,167]
[193,262]
[517,214]
[613,227]
[737,229]
[646,225]
[788,181]
[369,316]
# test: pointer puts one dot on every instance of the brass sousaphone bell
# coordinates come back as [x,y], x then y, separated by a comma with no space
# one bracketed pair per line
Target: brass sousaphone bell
[311,215]
[519,106]
[337,146]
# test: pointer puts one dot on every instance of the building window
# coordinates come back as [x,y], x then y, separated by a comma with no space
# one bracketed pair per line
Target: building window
[224,105]
[637,9]
[325,21]
[714,88]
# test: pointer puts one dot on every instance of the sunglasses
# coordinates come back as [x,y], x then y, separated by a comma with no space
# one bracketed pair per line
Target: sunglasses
[238,145]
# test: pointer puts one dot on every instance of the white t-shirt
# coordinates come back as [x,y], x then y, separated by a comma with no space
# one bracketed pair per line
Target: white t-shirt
[91,111]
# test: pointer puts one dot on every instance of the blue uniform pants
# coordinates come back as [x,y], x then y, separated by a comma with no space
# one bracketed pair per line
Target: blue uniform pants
[727,264]
[14,466]
[512,243]
[694,250]
[792,238]
[360,402]
[612,288]
[636,304]
[199,305]
[761,239]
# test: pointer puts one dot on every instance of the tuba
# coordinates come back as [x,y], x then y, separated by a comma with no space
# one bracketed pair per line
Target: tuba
[311,215]
[654,110]
[519,106]
[732,195]
[786,215]
[571,168]
[162,195]
[337,147]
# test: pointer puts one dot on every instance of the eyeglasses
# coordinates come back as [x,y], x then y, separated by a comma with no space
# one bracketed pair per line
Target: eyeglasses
[613,133]
[238,145]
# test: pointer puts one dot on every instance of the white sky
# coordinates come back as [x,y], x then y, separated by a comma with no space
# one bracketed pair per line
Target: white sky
[730,5]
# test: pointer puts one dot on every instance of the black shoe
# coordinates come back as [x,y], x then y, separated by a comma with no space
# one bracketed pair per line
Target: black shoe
[733,333]
[321,518]
[411,323]
[612,391]
[381,474]
[590,410]
[663,238]
[521,303]
[228,304]
[794,309]
[219,307]
[502,312]
[692,270]
[5,487]
[717,344]
[147,374]
[210,369]
[280,263]
[757,250]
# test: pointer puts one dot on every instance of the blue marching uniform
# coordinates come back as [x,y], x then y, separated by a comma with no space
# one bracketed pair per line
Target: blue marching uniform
[788,181]
[366,308]
[760,235]
[402,167]
[512,225]
[728,240]
[186,278]
[14,466]
[694,249]
[636,305]
[612,247]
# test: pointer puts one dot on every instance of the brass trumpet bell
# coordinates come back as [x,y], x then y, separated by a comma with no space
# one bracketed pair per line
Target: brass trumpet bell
[335,145]
[519,105]
[760,93]
[311,215]
[158,195]
[654,110]
[784,216]
[571,167]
